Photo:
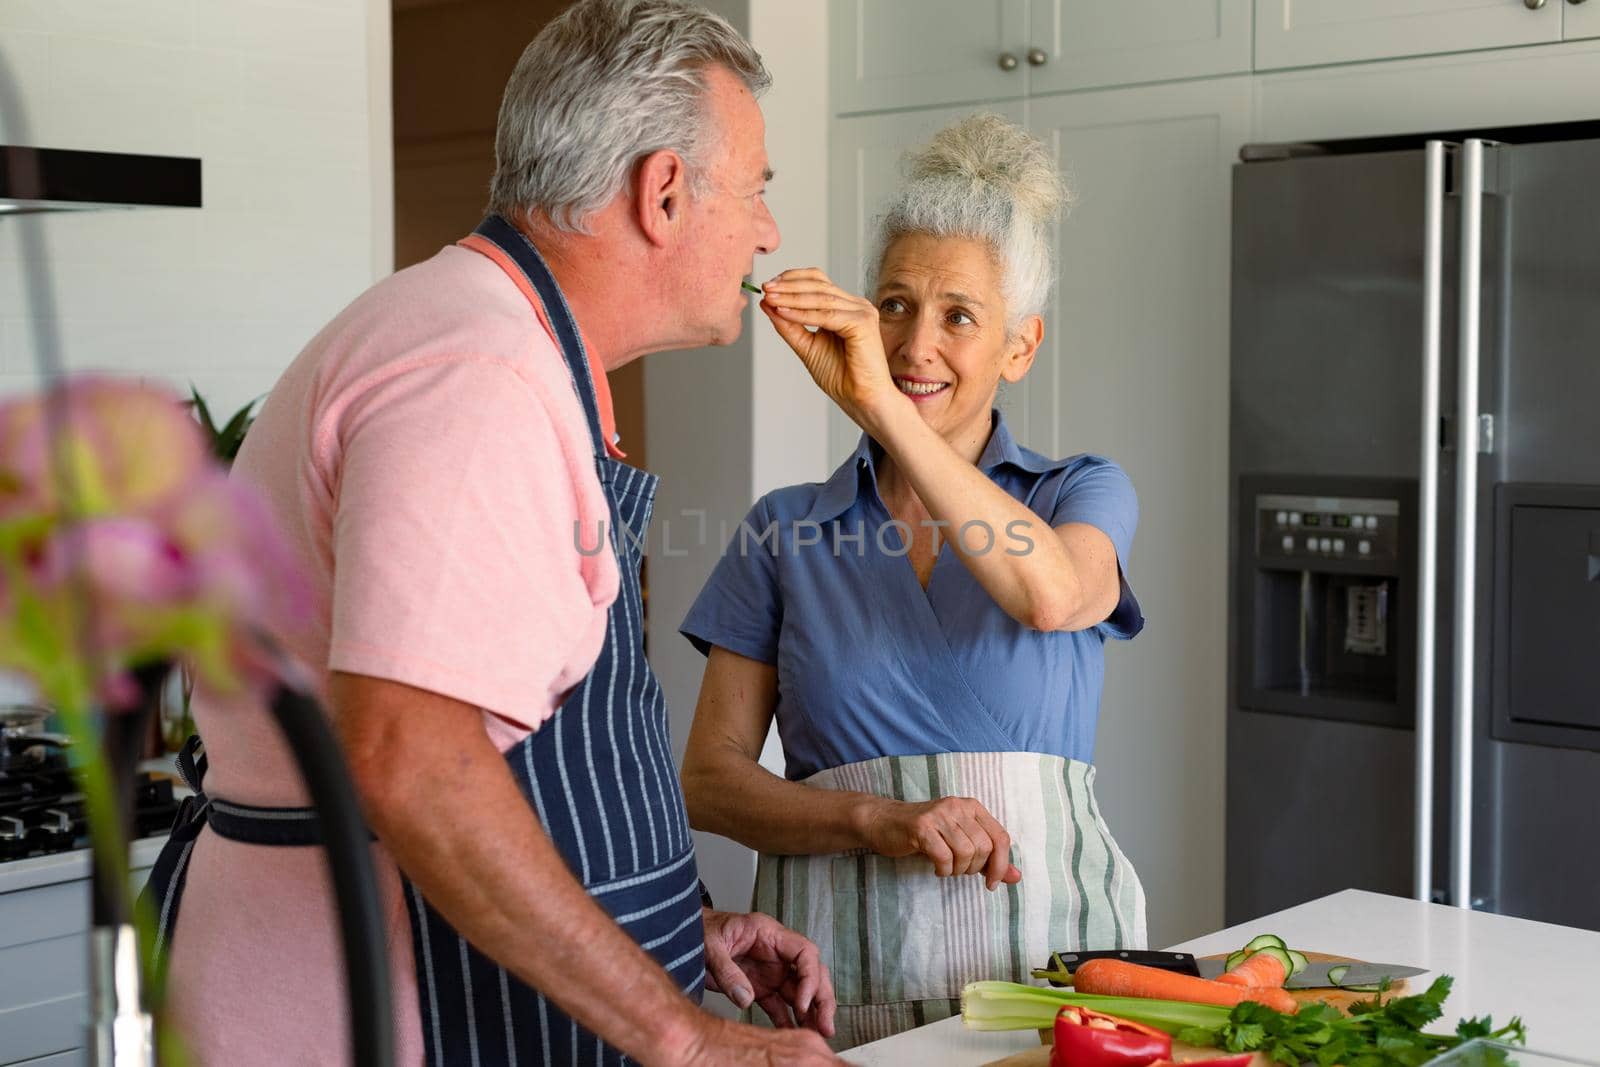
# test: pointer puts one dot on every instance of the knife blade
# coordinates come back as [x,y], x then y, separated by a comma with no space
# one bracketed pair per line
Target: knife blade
[1181,962]
[1315,976]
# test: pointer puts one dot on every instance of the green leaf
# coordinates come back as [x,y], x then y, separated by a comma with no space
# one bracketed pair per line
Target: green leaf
[232,435]
[1198,1036]
[202,412]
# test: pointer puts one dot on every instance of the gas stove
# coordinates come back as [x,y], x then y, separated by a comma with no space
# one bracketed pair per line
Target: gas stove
[41,807]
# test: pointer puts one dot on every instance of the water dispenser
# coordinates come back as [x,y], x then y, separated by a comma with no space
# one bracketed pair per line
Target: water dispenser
[1324,598]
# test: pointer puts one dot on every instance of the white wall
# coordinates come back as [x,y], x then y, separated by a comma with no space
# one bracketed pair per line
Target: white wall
[286,103]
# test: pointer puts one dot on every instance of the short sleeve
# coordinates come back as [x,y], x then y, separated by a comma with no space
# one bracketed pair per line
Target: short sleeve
[740,608]
[1099,493]
[457,568]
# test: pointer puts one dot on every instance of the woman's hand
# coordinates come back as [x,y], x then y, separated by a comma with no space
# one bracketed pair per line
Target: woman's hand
[845,355]
[957,833]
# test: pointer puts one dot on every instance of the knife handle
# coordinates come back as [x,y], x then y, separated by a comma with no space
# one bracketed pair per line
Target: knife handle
[1179,962]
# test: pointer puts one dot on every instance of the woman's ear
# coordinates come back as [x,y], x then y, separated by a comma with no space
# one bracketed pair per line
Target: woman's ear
[661,189]
[1021,349]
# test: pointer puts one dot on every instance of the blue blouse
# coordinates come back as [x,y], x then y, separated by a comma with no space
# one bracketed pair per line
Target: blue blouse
[869,663]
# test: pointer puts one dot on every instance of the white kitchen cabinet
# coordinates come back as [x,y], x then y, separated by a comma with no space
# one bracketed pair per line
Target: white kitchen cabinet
[1135,367]
[1580,19]
[864,170]
[1081,44]
[1308,33]
[1471,90]
[921,53]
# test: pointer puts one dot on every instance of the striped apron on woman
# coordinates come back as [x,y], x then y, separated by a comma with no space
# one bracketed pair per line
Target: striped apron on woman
[901,942]
[598,775]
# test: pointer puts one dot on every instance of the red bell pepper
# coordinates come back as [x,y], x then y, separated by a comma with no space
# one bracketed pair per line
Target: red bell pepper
[1085,1038]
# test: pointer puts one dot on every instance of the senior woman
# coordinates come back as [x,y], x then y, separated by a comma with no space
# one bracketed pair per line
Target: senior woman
[927,624]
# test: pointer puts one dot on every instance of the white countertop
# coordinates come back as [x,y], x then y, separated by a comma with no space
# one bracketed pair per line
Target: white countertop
[1502,966]
[71,865]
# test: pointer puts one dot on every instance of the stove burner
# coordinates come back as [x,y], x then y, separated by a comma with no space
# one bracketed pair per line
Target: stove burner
[41,809]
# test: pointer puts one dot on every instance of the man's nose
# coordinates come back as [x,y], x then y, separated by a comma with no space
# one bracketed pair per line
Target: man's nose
[767,236]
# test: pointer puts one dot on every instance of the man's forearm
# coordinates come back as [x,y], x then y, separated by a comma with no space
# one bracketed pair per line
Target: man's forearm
[442,800]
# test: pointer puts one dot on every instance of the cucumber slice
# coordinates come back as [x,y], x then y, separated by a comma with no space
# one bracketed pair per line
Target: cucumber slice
[1300,961]
[1265,941]
[1336,979]
[1234,960]
[1281,955]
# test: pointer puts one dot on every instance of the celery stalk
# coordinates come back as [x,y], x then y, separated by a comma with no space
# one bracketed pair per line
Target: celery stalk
[1010,1006]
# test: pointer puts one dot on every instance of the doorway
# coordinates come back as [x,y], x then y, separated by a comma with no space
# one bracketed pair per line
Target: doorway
[451,61]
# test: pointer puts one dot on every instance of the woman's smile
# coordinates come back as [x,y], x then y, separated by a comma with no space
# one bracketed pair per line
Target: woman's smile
[920,389]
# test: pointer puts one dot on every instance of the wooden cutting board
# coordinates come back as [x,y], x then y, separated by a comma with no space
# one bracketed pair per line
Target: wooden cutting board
[1339,998]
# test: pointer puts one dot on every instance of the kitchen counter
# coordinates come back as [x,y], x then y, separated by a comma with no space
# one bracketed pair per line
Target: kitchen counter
[1502,966]
[71,865]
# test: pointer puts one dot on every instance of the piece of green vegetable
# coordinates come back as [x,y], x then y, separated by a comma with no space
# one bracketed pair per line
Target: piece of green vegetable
[756,289]
[1264,941]
[1377,1033]
[1012,1006]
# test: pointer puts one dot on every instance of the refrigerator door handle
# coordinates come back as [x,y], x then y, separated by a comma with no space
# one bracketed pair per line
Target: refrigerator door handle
[1466,591]
[1428,515]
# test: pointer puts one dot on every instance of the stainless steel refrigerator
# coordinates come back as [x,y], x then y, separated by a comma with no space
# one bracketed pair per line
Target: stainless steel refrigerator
[1414,683]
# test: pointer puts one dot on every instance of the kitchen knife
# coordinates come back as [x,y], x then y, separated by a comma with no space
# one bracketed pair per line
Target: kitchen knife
[1315,976]
[1181,962]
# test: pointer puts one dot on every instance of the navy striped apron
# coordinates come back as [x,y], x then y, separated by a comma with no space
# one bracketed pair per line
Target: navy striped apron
[598,774]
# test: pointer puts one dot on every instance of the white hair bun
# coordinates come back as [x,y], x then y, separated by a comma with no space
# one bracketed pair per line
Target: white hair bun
[997,158]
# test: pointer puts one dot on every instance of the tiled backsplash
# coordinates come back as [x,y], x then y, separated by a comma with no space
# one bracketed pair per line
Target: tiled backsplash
[286,102]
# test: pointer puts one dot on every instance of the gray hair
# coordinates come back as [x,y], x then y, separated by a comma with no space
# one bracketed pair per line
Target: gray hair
[986,179]
[603,85]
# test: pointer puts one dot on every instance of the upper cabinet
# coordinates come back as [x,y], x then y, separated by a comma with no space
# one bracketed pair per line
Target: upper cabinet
[1085,44]
[923,53]
[1309,33]
[1581,19]
[891,54]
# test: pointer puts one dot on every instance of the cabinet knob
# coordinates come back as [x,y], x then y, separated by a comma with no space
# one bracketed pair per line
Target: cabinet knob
[1574,1]
[1533,5]
[1038,57]
[1009,61]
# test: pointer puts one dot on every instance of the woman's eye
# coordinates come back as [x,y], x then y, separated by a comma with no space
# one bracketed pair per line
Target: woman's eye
[891,306]
[960,318]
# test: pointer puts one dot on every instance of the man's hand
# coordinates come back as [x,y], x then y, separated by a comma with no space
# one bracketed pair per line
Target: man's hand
[753,958]
[724,1043]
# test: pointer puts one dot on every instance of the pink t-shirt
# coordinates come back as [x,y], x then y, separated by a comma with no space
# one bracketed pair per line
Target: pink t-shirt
[428,457]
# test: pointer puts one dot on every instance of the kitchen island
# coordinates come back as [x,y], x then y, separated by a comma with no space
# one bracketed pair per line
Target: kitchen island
[1502,966]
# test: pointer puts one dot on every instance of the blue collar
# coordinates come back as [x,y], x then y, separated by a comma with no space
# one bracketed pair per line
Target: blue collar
[843,487]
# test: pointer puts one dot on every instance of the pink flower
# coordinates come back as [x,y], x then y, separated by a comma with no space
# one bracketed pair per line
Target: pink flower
[120,447]
[143,552]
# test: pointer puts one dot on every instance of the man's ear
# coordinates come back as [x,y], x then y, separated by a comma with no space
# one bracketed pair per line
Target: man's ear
[1023,347]
[661,191]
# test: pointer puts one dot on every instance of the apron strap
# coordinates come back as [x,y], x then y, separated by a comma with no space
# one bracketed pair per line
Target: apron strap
[246,823]
[521,251]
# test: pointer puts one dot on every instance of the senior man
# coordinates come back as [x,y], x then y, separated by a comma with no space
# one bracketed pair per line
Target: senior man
[443,453]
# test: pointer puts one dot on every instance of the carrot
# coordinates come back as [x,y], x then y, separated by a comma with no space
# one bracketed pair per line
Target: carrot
[1261,969]
[1119,979]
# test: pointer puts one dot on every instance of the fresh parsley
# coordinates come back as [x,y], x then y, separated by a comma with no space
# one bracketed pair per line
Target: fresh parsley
[1376,1033]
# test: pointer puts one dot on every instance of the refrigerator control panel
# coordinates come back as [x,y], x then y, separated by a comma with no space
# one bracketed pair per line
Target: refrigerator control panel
[1306,528]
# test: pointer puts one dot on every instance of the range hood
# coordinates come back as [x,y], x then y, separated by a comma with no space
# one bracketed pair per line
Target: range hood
[60,179]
